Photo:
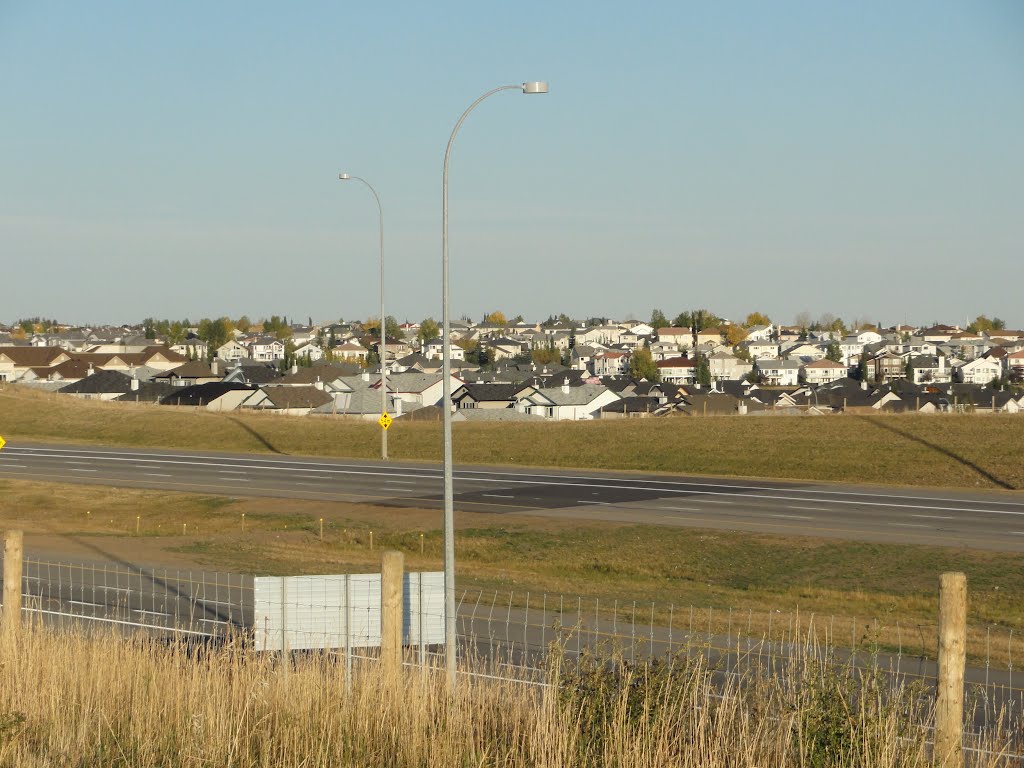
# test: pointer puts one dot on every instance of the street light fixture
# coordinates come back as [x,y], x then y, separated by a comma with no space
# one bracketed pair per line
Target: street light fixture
[446,374]
[383,347]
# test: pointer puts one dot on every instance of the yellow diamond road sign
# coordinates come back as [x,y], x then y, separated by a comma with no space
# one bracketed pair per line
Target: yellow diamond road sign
[385,420]
[2,443]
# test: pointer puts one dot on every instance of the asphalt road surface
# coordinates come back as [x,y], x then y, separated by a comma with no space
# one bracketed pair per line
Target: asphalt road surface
[981,519]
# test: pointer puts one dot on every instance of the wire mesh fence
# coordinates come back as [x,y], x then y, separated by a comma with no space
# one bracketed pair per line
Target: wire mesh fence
[519,636]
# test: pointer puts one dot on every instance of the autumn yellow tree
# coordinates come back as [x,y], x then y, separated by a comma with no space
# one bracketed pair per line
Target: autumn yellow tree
[734,334]
[756,318]
[497,317]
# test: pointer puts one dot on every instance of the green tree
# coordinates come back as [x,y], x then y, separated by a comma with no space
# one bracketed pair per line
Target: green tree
[215,332]
[833,352]
[642,365]
[703,371]
[243,324]
[545,354]
[658,320]
[428,330]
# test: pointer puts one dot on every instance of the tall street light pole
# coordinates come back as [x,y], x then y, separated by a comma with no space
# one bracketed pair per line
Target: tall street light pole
[446,373]
[383,347]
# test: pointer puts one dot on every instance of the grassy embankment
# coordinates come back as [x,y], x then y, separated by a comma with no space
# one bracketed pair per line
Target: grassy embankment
[69,699]
[953,451]
[889,590]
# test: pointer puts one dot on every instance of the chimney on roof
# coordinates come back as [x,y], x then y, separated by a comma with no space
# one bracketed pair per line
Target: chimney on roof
[215,367]
[135,384]
[318,384]
[565,386]
[366,374]
[294,368]
[90,371]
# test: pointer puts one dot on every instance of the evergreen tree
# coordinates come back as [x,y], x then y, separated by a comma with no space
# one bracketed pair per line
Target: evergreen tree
[703,371]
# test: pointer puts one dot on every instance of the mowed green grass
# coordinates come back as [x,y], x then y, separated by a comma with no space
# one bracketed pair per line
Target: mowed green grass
[966,451]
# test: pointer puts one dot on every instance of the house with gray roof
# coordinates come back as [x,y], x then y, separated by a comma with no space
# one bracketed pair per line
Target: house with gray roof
[566,403]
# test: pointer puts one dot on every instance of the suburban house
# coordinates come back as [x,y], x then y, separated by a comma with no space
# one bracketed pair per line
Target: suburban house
[725,365]
[216,396]
[824,372]
[889,366]
[418,389]
[309,351]
[351,351]
[434,348]
[979,371]
[777,372]
[190,374]
[288,401]
[566,403]
[232,350]
[678,370]
[483,396]
[266,348]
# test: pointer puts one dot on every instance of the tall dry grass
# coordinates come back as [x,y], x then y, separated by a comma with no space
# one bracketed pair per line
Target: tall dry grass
[71,699]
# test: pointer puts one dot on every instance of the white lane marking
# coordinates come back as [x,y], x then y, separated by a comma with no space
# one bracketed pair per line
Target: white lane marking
[602,503]
[681,509]
[84,470]
[233,472]
[807,509]
[400,482]
[18,466]
[936,517]
[1017,533]
[497,496]
[464,474]
[793,517]
[82,602]
[648,489]
[156,474]
[126,590]
[150,613]
[909,525]
[716,501]
[299,482]
[214,602]
[86,463]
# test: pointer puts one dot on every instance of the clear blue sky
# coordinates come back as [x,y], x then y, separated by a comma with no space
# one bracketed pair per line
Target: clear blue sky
[181,159]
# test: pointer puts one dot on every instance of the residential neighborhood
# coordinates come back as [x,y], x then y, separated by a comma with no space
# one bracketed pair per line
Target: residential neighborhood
[512,370]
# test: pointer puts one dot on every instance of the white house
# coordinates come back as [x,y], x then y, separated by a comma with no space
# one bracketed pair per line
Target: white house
[678,370]
[566,403]
[777,372]
[980,370]
[266,348]
[309,350]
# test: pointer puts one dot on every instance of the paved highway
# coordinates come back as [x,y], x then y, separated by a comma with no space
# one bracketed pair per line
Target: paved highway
[983,519]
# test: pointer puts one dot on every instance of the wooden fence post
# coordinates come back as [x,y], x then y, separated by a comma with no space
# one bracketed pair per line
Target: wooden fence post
[391,575]
[949,704]
[13,556]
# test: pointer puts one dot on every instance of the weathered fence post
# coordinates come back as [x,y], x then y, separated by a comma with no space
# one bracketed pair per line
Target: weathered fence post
[949,704]
[391,572]
[13,555]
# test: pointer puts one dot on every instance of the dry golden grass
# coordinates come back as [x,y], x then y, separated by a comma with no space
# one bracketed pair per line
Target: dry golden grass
[955,451]
[76,700]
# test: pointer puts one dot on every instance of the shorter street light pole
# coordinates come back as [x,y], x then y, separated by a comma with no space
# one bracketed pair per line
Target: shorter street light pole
[383,346]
